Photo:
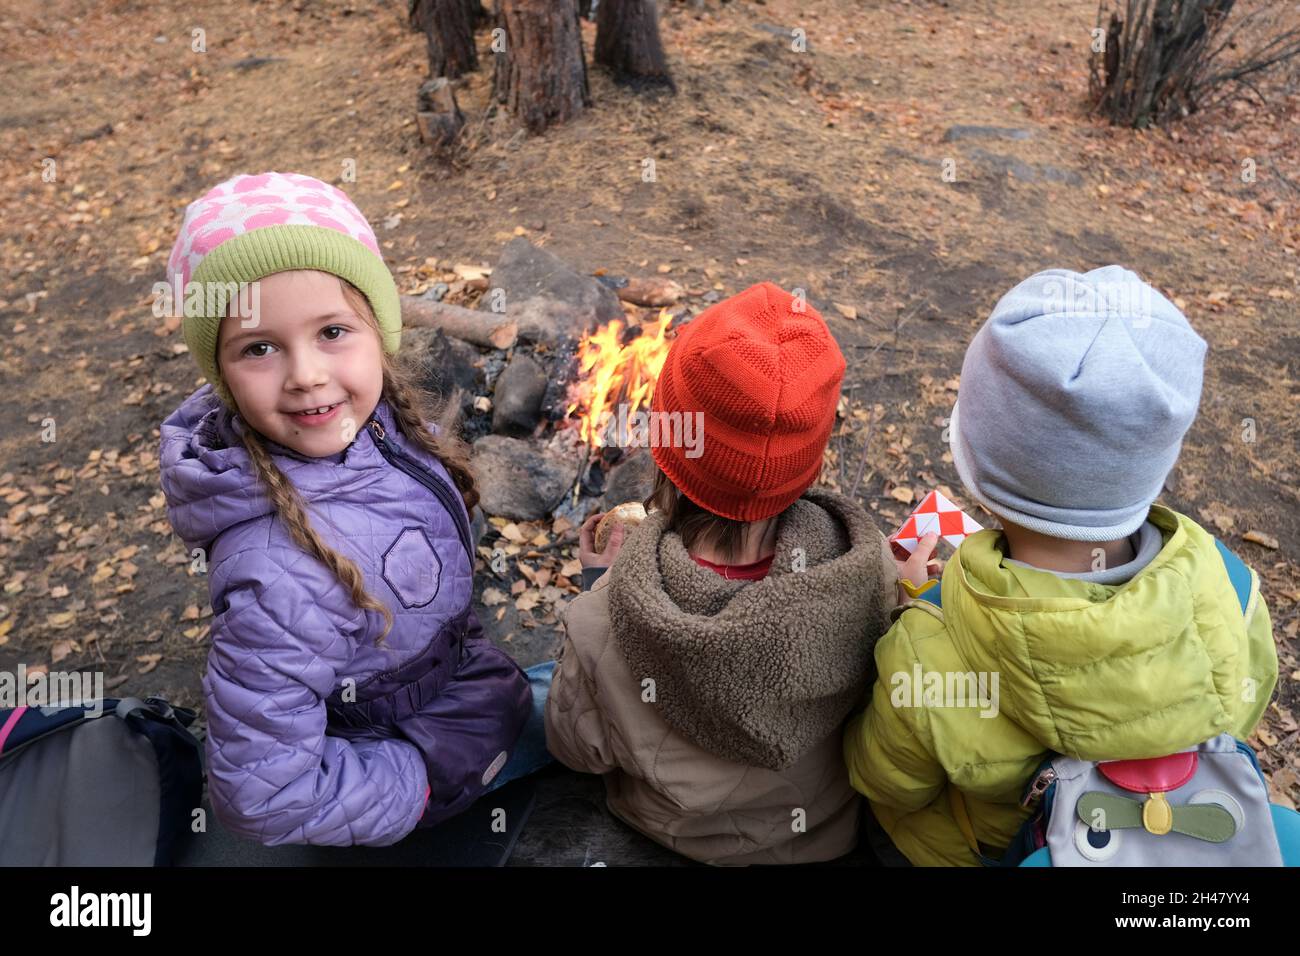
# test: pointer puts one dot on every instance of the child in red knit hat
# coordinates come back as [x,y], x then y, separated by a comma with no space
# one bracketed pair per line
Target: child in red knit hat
[707,674]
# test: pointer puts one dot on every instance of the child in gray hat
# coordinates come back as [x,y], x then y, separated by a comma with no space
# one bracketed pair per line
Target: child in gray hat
[1097,624]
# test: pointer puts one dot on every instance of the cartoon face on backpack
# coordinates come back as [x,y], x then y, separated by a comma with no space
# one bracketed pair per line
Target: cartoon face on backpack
[1203,807]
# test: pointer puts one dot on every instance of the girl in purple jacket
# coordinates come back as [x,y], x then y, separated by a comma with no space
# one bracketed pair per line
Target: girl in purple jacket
[351,694]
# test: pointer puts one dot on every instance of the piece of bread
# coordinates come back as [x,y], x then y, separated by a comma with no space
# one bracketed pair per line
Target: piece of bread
[629,514]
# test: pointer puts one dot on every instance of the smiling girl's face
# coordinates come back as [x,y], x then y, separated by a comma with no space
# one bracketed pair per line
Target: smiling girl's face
[308,349]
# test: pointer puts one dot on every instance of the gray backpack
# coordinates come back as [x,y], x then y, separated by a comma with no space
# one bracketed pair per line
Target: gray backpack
[108,783]
[1203,807]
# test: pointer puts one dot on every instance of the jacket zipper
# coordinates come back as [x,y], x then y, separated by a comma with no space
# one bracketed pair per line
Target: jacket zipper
[1038,788]
[417,471]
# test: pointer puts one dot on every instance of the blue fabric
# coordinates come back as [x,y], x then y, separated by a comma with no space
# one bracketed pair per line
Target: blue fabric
[530,751]
[1238,574]
[1287,824]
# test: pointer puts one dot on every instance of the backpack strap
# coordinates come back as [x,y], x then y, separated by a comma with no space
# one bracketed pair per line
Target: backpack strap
[1238,573]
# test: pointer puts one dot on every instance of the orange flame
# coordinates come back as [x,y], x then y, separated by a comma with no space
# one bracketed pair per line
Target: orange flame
[611,373]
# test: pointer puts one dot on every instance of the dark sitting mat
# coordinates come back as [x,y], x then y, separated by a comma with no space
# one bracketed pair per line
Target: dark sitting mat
[571,826]
[556,818]
[464,840]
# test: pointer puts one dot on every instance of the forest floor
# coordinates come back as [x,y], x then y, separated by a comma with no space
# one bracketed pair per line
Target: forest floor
[822,170]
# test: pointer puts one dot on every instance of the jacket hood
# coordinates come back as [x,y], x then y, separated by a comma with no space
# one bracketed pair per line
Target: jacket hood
[1101,671]
[210,481]
[757,672]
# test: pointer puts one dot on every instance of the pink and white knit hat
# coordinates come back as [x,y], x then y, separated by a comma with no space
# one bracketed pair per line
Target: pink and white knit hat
[249,227]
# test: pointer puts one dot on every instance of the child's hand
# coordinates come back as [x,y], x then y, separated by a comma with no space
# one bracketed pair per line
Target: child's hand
[920,566]
[587,553]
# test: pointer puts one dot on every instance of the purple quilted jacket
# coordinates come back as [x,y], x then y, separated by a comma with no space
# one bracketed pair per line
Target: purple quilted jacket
[315,735]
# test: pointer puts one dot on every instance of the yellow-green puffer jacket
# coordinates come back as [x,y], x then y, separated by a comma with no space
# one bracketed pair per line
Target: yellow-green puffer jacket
[1093,671]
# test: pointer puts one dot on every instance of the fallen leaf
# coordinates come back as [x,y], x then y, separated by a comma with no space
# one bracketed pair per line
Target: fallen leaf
[1258,537]
[903,494]
[60,650]
[493,596]
[150,661]
[469,272]
[848,311]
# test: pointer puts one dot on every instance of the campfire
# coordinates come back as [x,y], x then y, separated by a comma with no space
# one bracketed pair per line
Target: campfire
[550,382]
[617,366]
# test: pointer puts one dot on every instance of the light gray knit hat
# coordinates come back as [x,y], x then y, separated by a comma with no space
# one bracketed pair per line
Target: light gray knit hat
[1075,396]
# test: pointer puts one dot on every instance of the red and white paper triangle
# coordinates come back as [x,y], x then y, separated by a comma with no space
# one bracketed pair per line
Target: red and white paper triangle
[935,514]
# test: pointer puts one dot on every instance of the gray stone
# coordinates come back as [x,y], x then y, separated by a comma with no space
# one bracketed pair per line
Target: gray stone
[632,479]
[1027,172]
[525,272]
[524,479]
[517,399]
[446,364]
[955,133]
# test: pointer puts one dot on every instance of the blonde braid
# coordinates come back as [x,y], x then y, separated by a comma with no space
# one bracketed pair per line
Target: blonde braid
[292,511]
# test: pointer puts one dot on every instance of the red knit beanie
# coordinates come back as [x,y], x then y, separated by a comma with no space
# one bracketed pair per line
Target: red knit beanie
[765,372]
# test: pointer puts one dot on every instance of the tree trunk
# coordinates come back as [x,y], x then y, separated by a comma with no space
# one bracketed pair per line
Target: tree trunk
[541,76]
[448,27]
[627,41]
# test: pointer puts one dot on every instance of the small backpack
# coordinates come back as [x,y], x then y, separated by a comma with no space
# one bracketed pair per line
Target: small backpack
[1207,806]
[1202,807]
[106,783]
